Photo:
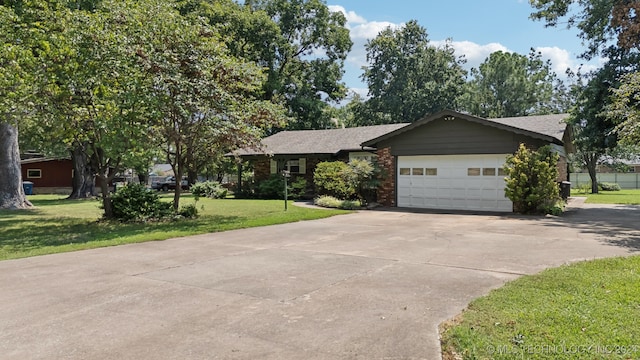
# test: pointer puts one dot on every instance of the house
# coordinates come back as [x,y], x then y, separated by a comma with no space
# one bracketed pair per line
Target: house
[448,160]
[48,175]
[300,151]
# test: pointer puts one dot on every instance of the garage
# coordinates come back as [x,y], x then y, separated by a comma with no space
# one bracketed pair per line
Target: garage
[460,182]
[453,161]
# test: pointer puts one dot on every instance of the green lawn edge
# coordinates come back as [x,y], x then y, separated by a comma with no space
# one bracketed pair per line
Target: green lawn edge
[586,310]
[57,225]
[622,197]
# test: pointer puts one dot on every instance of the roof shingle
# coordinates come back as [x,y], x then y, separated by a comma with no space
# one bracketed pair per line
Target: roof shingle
[553,125]
[330,141]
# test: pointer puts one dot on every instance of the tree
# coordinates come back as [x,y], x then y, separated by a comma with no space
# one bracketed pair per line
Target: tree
[595,133]
[202,100]
[624,109]
[409,78]
[531,181]
[598,22]
[510,84]
[301,43]
[15,94]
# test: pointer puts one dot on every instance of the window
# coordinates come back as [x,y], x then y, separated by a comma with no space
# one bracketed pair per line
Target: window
[294,166]
[405,171]
[501,172]
[489,172]
[34,173]
[417,171]
[361,155]
[431,172]
[473,171]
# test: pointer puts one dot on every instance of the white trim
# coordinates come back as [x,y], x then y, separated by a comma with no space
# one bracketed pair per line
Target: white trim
[34,177]
[302,165]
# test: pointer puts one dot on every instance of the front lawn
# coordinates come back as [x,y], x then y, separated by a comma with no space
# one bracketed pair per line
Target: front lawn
[587,310]
[58,225]
[628,197]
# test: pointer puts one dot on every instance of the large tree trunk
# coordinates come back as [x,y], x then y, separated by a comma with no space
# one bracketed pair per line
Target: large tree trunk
[83,175]
[591,162]
[107,205]
[11,192]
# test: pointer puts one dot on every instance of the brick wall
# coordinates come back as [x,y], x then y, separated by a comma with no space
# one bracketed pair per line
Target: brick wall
[261,169]
[562,169]
[386,190]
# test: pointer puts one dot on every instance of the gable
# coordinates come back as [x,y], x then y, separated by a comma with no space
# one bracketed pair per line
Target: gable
[456,136]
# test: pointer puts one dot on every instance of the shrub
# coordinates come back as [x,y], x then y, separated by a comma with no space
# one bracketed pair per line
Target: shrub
[188,211]
[332,202]
[298,188]
[532,180]
[273,188]
[608,186]
[334,178]
[134,202]
[584,188]
[209,189]
[356,180]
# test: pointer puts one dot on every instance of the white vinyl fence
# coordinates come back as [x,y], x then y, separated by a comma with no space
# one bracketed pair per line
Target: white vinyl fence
[625,180]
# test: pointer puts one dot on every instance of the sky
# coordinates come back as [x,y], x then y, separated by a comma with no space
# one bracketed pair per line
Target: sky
[476,28]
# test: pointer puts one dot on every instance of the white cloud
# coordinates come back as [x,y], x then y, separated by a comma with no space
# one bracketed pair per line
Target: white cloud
[473,53]
[351,16]
[361,31]
[562,59]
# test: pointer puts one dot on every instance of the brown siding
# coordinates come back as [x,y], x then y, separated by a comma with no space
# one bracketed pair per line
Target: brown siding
[562,169]
[261,169]
[387,190]
[54,173]
[457,137]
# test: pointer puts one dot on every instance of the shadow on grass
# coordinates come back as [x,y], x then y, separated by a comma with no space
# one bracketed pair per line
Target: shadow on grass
[22,235]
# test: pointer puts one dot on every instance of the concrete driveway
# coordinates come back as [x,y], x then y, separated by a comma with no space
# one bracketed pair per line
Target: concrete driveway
[369,285]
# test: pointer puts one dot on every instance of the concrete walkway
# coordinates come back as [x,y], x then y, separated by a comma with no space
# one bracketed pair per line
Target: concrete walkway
[369,285]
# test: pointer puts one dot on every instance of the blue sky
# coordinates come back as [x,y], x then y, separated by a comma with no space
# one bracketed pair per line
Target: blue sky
[475,27]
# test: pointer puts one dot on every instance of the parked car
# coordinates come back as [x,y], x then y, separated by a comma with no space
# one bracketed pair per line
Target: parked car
[169,183]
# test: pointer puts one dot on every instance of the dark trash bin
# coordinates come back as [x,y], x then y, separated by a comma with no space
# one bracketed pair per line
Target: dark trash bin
[565,189]
[27,186]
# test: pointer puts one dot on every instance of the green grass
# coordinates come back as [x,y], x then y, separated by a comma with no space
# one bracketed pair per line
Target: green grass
[587,310]
[58,225]
[628,197]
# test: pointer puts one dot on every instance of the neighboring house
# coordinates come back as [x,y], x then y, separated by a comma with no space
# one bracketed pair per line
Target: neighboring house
[48,175]
[624,165]
[448,160]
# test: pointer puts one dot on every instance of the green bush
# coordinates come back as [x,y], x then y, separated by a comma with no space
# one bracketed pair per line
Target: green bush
[273,188]
[188,211]
[208,189]
[531,181]
[334,178]
[134,202]
[332,202]
[604,186]
[356,180]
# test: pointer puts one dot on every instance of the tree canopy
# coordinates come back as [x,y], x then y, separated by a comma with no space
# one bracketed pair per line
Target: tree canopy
[301,44]
[599,22]
[624,109]
[509,84]
[121,78]
[408,77]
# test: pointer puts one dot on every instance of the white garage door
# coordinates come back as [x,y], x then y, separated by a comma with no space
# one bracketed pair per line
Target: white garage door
[456,182]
